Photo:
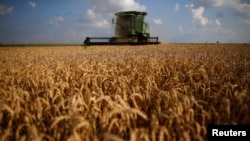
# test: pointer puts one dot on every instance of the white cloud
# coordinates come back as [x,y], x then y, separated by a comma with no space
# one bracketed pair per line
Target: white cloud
[118,5]
[239,6]
[189,6]
[103,11]
[198,16]
[158,21]
[247,22]
[242,8]
[4,10]
[32,4]
[180,29]
[217,22]
[210,30]
[94,18]
[56,21]
[177,7]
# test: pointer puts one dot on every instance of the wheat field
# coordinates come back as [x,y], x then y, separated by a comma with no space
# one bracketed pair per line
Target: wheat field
[146,93]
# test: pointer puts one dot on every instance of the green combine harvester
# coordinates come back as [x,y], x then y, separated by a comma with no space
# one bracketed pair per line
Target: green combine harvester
[130,28]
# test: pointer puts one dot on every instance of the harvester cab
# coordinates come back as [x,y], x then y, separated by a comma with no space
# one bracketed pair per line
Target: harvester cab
[130,28]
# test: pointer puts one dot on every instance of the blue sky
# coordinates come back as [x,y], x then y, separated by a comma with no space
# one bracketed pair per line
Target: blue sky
[70,21]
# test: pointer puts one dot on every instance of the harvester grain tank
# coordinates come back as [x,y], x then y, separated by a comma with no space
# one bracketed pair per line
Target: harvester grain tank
[130,28]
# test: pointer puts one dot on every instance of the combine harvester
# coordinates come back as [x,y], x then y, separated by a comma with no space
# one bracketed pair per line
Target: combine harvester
[130,28]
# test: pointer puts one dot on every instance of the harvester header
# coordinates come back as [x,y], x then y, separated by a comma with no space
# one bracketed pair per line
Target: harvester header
[130,28]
